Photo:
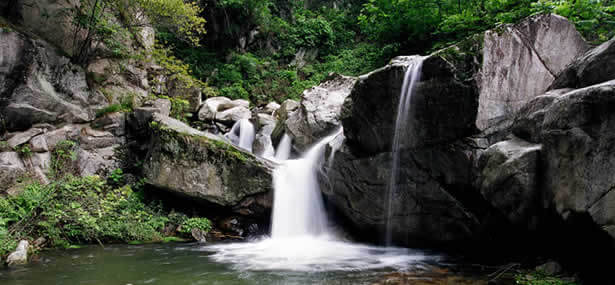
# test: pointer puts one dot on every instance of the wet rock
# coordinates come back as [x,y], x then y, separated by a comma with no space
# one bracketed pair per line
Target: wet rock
[20,255]
[509,178]
[232,225]
[595,66]
[319,111]
[442,107]
[286,108]
[199,235]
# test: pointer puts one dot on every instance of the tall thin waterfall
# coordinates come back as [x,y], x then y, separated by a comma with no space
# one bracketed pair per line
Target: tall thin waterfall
[411,77]
[298,209]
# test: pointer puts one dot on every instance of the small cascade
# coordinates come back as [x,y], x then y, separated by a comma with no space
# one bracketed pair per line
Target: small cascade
[283,151]
[298,209]
[411,77]
[242,134]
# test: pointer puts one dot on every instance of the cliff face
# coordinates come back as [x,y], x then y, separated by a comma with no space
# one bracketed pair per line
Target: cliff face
[493,152]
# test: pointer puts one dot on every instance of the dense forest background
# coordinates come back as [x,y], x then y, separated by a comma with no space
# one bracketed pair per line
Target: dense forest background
[274,49]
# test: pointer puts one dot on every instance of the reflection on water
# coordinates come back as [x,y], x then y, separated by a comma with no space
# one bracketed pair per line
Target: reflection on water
[223,264]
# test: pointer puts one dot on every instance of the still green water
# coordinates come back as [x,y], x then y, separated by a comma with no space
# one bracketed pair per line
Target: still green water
[172,264]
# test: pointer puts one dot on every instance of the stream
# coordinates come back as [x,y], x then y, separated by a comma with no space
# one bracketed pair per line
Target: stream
[177,264]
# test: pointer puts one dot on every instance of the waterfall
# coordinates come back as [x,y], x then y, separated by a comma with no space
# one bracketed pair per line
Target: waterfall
[411,77]
[299,238]
[298,209]
[283,151]
[242,134]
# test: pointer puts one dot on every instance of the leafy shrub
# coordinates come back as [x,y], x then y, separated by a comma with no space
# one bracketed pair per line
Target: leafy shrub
[202,224]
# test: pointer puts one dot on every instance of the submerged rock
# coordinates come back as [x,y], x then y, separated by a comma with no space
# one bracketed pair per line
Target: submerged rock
[203,167]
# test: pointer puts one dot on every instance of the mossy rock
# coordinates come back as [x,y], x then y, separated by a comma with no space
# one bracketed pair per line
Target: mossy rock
[202,166]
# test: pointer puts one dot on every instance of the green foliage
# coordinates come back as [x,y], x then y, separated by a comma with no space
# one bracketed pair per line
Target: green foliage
[24,151]
[62,159]
[113,23]
[539,278]
[593,18]
[202,224]
[80,210]
[126,105]
[116,177]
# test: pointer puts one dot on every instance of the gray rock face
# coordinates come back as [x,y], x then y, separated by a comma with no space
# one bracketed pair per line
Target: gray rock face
[423,208]
[203,167]
[225,110]
[44,87]
[595,66]
[528,122]
[11,169]
[577,135]
[23,137]
[20,255]
[509,178]
[442,107]
[519,63]
[319,111]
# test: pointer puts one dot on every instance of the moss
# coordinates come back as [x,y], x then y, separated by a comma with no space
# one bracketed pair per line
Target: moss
[196,148]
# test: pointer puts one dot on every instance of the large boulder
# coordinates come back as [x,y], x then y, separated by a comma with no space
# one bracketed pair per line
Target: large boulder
[519,63]
[319,111]
[42,86]
[424,209]
[509,179]
[442,108]
[203,167]
[577,134]
[595,66]
[512,64]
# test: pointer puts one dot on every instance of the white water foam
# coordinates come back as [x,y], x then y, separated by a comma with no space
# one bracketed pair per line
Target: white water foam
[300,240]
